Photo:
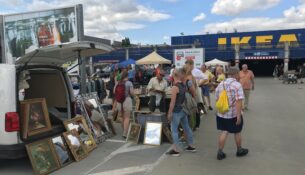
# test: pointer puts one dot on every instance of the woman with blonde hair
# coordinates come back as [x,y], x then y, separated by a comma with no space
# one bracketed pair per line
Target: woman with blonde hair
[191,103]
[177,115]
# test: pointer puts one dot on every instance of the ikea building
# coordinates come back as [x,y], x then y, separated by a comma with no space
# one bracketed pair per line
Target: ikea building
[260,50]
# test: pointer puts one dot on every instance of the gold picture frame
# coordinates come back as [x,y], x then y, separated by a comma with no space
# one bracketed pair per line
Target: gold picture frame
[153,133]
[43,157]
[133,133]
[63,153]
[35,117]
[78,149]
[80,125]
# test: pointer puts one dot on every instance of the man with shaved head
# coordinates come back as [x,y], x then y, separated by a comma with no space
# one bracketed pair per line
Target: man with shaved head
[247,82]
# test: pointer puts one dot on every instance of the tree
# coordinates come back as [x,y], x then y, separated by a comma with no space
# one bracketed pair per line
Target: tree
[126,42]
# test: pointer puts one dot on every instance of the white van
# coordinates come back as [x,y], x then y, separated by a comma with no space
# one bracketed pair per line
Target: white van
[38,74]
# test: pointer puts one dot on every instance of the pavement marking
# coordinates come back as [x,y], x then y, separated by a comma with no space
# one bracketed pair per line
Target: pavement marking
[136,148]
[116,141]
[151,168]
[125,171]
[110,156]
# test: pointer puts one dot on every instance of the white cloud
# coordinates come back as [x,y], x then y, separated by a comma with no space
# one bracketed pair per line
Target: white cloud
[11,3]
[200,17]
[235,7]
[107,18]
[294,17]
[166,38]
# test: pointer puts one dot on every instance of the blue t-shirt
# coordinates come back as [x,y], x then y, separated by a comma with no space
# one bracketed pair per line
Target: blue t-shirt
[131,74]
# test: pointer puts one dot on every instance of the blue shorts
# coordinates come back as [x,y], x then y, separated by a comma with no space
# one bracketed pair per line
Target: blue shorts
[205,90]
[229,125]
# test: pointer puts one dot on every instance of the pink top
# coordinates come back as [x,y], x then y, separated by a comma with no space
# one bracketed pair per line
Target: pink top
[246,79]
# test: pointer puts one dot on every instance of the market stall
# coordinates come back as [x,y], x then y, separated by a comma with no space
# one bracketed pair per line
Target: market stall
[153,58]
[215,62]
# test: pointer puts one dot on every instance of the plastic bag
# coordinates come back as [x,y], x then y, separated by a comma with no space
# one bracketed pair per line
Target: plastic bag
[222,104]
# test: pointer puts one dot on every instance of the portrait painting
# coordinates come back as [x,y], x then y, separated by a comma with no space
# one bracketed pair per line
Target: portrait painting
[63,153]
[43,157]
[134,132]
[78,149]
[35,117]
[152,134]
[79,124]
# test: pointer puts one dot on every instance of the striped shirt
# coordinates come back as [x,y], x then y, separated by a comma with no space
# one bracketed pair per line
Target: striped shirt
[235,92]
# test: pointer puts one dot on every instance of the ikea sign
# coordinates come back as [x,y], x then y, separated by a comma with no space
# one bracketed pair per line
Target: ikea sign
[260,41]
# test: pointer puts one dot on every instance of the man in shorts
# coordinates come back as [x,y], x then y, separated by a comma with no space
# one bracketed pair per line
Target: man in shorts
[232,121]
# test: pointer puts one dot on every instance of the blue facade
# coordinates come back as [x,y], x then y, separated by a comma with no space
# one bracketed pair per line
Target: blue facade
[215,47]
[226,51]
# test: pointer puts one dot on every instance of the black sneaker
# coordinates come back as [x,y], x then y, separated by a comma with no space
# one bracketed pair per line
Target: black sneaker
[173,153]
[124,137]
[190,149]
[221,155]
[210,108]
[242,152]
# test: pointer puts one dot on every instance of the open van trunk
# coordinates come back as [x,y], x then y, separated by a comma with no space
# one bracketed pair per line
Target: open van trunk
[39,75]
[51,84]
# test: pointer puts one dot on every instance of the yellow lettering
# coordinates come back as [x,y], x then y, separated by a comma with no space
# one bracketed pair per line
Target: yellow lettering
[222,41]
[264,39]
[243,40]
[288,38]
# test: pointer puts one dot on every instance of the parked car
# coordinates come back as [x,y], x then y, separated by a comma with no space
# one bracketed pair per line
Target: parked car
[38,74]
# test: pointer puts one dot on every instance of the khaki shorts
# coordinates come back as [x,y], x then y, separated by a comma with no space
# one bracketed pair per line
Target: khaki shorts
[127,105]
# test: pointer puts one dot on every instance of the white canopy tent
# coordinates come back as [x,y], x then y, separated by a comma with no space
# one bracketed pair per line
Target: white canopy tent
[216,62]
[153,58]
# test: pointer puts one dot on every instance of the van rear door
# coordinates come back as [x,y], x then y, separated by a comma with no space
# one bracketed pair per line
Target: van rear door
[60,54]
[8,116]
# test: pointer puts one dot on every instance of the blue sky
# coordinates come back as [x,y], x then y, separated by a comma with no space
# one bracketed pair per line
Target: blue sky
[154,21]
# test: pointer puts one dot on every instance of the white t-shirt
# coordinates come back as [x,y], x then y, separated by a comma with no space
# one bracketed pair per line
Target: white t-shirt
[199,75]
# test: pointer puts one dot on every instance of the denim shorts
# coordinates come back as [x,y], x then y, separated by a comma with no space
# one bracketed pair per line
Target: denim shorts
[205,90]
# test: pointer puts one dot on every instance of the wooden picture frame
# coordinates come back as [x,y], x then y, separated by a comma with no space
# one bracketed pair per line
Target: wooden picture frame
[168,134]
[43,157]
[80,125]
[133,133]
[153,133]
[63,153]
[35,117]
[78,149]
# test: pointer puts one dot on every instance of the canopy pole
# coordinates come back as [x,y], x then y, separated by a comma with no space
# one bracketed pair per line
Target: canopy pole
[82,71]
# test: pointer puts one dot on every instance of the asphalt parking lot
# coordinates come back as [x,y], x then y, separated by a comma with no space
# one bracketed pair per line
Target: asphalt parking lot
[274,132]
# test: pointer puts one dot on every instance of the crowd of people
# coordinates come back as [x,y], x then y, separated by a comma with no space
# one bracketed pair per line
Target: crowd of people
[190,99]
[184,106]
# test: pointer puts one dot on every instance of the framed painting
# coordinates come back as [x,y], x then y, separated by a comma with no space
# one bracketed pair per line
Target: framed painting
[43,157]
[63,153]
[168,134]
[79,124]
[133,132]
[89,106]
[78,149]
[35,117]
[153,131]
